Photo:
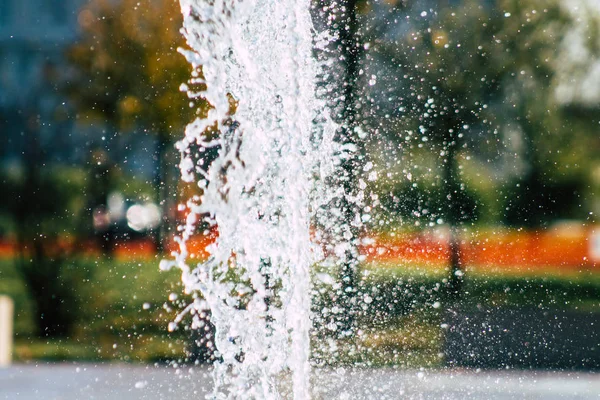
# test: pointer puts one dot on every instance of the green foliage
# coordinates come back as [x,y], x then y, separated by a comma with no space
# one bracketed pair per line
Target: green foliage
[127,306]
[550,291]
[43,203]
[46,207]
[579,292]
[127,75]
[48,294]
[400,321]
[14,287]
[53,281]
[536,202]
[426,204]
[120,311]
[468,91]
[127,66]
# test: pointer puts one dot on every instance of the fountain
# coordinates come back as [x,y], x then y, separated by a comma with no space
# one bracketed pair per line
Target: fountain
[253,62]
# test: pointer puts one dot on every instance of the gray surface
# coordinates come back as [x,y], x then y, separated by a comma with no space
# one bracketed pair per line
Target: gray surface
[494,337]
[86,381]
[463,385]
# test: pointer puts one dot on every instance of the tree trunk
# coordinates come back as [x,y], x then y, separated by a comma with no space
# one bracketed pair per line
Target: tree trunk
[453,217]
[350,56]
[40,271]
[164,187]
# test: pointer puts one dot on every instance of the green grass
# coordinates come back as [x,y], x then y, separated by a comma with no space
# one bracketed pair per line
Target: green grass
[124,311]
[410,341]
[402,324]
[569,289]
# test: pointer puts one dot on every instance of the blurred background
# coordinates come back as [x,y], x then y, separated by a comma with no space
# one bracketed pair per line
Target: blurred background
[477,123]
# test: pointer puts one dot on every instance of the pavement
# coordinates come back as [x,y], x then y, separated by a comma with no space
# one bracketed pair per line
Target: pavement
[135,382]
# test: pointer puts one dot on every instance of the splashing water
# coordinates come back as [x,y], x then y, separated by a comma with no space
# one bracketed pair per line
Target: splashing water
[253,61]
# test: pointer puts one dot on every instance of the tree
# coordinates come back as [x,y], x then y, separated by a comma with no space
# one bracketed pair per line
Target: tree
[128,74]
[456,72]
[531,196]
[45,201]
[342,19]
[350,53]
[575,158]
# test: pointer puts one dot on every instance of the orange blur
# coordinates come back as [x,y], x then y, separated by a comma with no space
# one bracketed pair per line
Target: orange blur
[567,249]
[562,249]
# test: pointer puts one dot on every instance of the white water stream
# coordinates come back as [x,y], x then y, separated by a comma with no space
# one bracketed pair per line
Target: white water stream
[262,191]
